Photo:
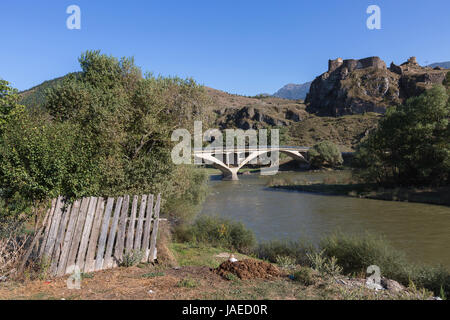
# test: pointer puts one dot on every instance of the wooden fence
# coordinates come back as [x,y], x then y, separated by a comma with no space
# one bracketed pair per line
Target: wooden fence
[96,234]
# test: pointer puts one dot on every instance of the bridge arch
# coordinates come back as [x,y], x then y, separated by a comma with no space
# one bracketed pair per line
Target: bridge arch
[231,173]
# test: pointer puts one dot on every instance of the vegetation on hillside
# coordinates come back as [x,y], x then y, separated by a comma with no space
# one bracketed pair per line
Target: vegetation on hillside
[34,98]
[346,132]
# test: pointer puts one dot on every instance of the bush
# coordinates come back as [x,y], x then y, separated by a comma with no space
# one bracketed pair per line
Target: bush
[296,250]
[325,154]
[436,279]
[304,276]
[13,240]
[352,255]
[356,253]
[132,258]
[219,232]
[324,265]
[285,262]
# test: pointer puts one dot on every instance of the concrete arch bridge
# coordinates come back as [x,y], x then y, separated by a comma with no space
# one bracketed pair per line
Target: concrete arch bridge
[236,158]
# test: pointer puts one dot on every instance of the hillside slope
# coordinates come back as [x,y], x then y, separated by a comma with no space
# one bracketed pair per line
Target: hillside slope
[35,97]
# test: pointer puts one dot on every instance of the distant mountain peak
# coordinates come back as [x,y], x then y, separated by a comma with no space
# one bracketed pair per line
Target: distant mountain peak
[444,65]
[293,91]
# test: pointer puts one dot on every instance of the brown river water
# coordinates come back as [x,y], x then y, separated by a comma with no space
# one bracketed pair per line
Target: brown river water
[422,231]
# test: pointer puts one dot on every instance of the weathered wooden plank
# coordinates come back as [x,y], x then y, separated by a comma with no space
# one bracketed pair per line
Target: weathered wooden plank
[155,230]
[68,238]
[86,233]
[53,229]
[131,225]
[77,234]
[140,224]
[147,229]
[47,228]
[108,260]
[103,234]
[60,238]
[120,243]
[89,266]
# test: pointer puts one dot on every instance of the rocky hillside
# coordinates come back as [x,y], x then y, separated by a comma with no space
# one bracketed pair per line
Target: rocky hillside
[234,111]
[367,85]
[294,91]
[346,131]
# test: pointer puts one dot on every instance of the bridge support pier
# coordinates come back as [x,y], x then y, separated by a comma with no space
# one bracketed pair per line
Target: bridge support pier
[232,175]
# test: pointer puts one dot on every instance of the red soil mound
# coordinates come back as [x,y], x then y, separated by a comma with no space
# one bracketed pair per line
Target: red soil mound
[248,269]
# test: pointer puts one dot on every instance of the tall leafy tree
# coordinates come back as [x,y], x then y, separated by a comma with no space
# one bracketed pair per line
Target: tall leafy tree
[128,120]
[411,145]
[9,106]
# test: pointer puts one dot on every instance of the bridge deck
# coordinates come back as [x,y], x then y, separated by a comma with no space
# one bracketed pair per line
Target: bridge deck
[250,149]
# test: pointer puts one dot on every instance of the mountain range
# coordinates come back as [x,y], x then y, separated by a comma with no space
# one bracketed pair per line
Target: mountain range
[445,65]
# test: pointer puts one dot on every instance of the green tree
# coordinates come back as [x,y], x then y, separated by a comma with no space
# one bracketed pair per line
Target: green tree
[128,120]
[40,160]
[325,154]
[104,131]
[9,106]
[411,145]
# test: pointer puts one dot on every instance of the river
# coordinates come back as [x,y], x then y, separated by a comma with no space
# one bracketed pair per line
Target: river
[421,231]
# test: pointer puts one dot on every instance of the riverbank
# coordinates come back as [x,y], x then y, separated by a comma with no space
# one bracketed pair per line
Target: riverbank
[437,196]
[193,277]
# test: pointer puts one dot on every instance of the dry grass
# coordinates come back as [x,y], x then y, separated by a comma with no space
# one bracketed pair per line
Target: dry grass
[150,282]
[170,284]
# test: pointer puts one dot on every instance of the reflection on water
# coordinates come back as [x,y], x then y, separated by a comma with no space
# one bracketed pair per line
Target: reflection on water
[422,231]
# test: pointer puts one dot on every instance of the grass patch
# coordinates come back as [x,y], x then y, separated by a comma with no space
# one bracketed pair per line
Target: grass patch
[218,232]
[153,275]
[189,254]
[187,283]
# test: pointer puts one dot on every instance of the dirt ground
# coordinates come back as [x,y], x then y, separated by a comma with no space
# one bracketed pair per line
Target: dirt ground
[195,272]
[190,283]
[134,283]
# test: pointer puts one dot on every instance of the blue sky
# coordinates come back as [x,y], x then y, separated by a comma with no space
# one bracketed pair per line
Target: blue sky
[245,47]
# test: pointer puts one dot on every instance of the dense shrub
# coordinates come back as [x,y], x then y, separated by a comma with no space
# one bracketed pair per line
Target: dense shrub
[356,253]
[219,232]
[325,154]
[353,254]
[436,279]
[40,160]
[304,276]
[297,250]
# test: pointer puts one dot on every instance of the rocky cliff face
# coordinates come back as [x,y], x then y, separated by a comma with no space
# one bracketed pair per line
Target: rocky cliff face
[367,85]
